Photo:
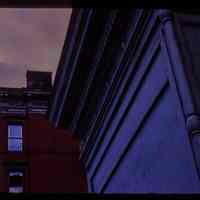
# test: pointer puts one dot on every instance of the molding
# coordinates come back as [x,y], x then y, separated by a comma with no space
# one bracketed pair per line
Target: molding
[94,66]
[123,88]
[134,137]
[176,59]
[108,94]
[132,101]
[64,69]
[164,15]
[193,124]
[111,90]
[69,38]
[178,75]
[183,78]
[74,65]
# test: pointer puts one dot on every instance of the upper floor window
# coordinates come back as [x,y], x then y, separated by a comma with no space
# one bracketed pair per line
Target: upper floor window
[16,181]
[15,137]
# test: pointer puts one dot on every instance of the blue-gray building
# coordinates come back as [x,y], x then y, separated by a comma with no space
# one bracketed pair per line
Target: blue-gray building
[128,86]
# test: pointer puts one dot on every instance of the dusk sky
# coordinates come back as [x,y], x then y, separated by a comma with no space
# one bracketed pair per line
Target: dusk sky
[31,39]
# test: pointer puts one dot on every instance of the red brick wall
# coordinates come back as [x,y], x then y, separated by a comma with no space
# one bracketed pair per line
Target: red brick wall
[3,178]
[51,158]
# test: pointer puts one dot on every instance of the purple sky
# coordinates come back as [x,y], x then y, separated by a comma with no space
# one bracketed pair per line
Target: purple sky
[30,39]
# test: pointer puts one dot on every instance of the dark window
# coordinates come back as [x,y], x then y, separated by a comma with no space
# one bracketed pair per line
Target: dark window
[15,137]
[16,181]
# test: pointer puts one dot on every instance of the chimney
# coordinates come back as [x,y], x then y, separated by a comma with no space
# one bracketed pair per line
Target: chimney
[38,80]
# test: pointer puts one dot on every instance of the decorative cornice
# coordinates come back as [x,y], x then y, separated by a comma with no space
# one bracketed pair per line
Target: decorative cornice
[98,57]
[114,90]
[20,101]
[63,66]
[68,62]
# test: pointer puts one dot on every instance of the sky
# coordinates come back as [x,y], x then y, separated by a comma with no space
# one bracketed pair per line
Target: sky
[30,39]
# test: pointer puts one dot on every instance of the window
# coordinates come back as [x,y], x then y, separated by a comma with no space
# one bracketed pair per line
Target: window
[15,181]
[14,137]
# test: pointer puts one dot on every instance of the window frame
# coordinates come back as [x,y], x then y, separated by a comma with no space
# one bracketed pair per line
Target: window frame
[14,170]
[15,123]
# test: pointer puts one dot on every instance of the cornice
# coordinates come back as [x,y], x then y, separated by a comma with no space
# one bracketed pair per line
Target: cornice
[113,90]
[94,65]
[67,65]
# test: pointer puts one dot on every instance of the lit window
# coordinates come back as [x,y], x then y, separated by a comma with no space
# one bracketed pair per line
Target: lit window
[16,181]
[14,137]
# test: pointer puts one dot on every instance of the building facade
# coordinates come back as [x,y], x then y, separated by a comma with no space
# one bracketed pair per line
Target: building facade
[127,84]
[34,157]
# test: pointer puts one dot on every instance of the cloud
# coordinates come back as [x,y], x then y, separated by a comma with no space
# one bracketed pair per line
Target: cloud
[12,75]
[30,39]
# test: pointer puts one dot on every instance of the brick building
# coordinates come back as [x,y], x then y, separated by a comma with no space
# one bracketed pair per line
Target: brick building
[34,157]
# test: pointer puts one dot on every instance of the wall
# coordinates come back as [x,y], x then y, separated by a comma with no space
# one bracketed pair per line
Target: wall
[51,158]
